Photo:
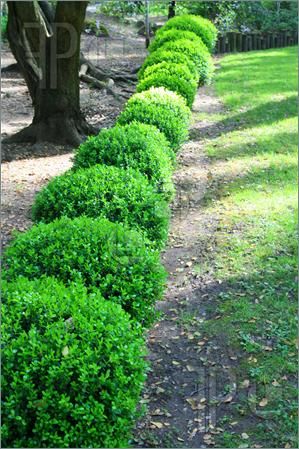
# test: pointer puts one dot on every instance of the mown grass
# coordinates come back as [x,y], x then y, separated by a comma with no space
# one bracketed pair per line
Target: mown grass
[255,192]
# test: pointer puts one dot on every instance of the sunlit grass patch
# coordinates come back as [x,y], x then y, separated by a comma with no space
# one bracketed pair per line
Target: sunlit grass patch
[254,190]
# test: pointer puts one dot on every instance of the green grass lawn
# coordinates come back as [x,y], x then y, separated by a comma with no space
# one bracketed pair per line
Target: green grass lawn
[255,193]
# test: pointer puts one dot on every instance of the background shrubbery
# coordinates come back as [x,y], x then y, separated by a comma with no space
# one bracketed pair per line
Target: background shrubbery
[202,27]
[101,254]
[72,367]
[102,191]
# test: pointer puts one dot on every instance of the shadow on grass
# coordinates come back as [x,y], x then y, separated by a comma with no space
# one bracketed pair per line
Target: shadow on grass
[260,179]
[280,143]
[264,114]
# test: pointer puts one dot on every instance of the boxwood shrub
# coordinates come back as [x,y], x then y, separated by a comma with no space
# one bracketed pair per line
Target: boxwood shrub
[136,145]
[202,27]
[171,35]
[103,255]
[174,77]
[198,54]
[162,56]
[162,108]
[103,191]
[72,367]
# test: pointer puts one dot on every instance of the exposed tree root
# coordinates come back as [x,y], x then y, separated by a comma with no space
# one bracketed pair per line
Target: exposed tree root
[64,131]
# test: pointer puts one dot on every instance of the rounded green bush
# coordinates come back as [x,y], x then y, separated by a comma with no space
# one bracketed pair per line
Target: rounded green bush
[136,145]
[120,195]
[72,367]
[202,27]
[103,255]
[174,77]
[172,35]
[162,56]
[170,68]
[162,108]
[198,54]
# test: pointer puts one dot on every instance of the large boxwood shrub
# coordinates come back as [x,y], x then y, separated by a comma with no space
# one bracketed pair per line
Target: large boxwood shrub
[164,35]
[72,367]
[120,195]
[174,77]
[162,56]
[162,108]
[202,27]
[135,145]
[198,54]
[103,255]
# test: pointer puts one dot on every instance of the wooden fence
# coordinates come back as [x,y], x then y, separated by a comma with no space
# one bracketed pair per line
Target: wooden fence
[236,42]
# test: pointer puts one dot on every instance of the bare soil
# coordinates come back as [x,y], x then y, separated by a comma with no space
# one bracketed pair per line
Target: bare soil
[179,389]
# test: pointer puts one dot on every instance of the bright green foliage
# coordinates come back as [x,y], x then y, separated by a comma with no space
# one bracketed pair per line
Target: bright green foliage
[162,56]
[202,27]
[171,69]
[135,145]
[102,254]
[174,77]
[120,195]
[162,108]
[72,367]
[3,23]
[198,54]
[171,35]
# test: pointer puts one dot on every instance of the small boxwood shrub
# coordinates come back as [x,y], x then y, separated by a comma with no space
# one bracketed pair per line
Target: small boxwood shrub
[162,56]
[170,69]
[72,367]
[172,35]
[136,145]
[202,27]
[120,195]
[162,108]
[103,255]
[198,54]
[174,77]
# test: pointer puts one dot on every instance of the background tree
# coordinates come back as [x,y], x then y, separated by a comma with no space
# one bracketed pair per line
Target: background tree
[45,40]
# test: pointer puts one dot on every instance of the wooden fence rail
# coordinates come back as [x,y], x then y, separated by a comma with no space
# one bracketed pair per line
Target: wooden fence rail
[236,42]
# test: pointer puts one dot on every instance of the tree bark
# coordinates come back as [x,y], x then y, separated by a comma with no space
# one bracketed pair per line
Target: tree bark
[46,44]
[171,9]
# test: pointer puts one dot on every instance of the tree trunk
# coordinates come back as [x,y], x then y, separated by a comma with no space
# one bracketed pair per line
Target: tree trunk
[46,44]
[171,9]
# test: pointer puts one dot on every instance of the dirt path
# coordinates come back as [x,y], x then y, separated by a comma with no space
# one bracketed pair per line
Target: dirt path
[20,181]
[179,391]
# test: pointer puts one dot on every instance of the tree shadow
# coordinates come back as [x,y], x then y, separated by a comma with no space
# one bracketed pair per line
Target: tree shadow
[259,179]
[280,143]
[264,114]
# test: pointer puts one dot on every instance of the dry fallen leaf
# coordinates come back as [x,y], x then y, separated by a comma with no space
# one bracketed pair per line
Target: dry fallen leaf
[65,351]
[275,383]
[228,399]
[160,390]
[245,383]
[175,363]
[193,433]
[244,436]
[190,368]
[159,425]
[263,402]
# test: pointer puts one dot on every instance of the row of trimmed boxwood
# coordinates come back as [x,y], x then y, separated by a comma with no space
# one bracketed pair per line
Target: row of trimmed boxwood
[81,285]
